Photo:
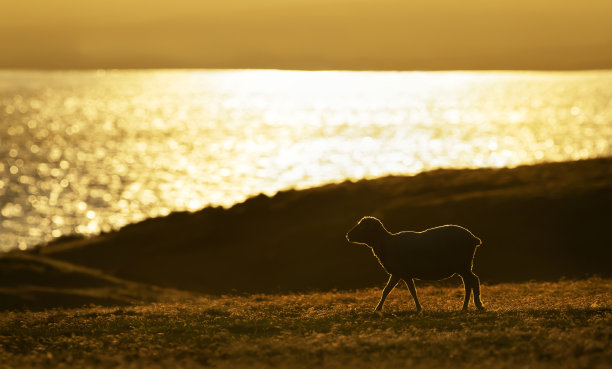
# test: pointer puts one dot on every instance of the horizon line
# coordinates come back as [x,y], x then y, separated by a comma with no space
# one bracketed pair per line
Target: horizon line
[106,69]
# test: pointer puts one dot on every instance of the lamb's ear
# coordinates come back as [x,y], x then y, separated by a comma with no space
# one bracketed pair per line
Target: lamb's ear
[365,218]
[378,215]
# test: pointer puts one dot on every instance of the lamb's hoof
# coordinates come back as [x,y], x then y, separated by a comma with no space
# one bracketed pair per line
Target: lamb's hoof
[419,312]
[464,310]
[481,308]
[378,312]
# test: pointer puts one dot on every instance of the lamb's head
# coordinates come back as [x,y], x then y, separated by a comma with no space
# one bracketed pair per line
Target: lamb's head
[366,232]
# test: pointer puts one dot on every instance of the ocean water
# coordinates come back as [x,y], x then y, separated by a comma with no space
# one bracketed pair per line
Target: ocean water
[90,151]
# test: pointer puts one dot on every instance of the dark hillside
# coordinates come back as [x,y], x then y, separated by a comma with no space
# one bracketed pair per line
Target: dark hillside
[537,222]
[35,282]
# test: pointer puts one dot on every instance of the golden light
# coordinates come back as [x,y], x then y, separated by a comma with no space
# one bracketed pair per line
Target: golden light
[185,140]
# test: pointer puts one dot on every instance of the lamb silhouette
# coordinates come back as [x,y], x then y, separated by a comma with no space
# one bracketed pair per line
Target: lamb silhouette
[433,254]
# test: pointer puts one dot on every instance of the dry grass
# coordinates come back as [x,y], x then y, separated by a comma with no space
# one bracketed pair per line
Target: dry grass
[567,324]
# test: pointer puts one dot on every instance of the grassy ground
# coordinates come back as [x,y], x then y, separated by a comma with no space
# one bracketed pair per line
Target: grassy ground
[567,324]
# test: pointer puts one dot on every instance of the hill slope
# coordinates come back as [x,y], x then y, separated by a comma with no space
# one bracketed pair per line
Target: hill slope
[536,222]
[39,283]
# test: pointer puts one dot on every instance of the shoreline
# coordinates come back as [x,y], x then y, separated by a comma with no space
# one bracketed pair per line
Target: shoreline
[541,222]
[72,239]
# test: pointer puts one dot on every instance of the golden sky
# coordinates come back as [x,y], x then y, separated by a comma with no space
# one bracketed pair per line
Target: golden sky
[307,34]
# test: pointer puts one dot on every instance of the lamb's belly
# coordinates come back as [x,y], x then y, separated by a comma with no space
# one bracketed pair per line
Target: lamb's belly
[433,273]
[432,276]
[419,273]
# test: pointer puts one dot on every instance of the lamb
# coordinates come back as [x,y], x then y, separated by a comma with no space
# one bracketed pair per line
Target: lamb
[433,254]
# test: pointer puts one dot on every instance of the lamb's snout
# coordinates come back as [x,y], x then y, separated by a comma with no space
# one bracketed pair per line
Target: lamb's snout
[348,235]
[355,235]
[363,232]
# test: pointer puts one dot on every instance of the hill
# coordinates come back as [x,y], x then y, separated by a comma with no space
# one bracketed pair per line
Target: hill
[38,283]
[537,222]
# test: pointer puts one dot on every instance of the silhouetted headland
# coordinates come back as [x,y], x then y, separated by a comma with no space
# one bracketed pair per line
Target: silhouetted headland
[536,222]
[35,282]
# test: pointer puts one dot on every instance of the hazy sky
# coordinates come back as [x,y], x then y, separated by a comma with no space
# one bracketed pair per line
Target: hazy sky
[307,34]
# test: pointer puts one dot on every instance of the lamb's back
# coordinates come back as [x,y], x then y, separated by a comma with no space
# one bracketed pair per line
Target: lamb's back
[444,249]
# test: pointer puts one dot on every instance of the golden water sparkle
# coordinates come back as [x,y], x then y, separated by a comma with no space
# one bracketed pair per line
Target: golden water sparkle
[88,151]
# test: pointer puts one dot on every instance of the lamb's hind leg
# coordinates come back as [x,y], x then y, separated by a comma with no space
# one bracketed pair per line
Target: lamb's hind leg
[390,284]
[476,288]
[467,284]
[410,284]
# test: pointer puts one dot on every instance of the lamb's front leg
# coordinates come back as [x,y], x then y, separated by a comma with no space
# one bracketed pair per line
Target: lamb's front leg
[410,284]
[390,284]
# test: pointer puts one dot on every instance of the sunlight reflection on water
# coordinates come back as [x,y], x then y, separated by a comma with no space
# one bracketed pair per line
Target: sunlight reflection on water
[85,152]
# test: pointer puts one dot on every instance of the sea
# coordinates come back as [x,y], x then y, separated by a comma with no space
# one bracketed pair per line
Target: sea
[84,152]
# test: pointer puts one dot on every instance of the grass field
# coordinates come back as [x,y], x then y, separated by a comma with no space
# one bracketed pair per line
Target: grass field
[567,324]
